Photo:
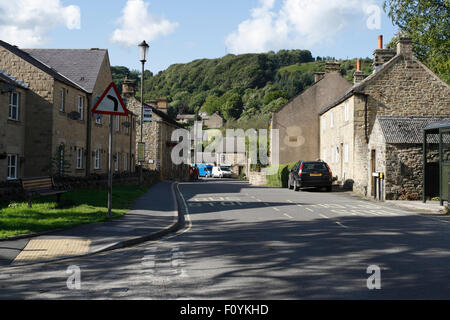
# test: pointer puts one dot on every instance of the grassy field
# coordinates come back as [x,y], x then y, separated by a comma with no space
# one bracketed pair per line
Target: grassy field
[76,208]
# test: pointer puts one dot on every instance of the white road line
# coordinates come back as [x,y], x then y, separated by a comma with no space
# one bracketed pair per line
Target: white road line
[276,209]
[309,209]
[288,216]
[290,201]
[323,216]
[338,223]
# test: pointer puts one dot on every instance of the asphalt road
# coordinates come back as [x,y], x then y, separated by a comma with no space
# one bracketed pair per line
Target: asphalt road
[243,242]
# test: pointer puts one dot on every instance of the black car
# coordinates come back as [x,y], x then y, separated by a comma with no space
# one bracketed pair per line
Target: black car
[314,174]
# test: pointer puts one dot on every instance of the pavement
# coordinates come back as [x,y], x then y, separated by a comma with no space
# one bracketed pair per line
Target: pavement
[153,215]
[428,207]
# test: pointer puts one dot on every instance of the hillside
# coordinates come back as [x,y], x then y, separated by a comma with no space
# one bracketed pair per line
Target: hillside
[244,89]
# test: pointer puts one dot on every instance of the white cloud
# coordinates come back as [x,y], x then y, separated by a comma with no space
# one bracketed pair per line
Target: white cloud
[298,23]
[26,22]
[138,24]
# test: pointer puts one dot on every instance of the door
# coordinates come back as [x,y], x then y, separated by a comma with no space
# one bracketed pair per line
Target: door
[373,168]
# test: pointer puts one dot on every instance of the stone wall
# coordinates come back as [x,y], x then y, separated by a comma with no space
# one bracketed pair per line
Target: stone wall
[257,178]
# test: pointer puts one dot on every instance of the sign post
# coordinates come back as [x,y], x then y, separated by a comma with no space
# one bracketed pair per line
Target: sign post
[110,103]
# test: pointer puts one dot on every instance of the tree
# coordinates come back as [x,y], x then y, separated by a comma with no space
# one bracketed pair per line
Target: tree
[427,23]
[232,108]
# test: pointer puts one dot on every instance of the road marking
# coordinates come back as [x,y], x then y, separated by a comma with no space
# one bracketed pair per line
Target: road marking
[324,216]
[299,205]
[309,209]
[288,216]
[338,223]
[276,209]
[290,201]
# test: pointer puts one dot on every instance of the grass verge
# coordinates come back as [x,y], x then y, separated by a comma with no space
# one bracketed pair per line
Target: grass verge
[76,208]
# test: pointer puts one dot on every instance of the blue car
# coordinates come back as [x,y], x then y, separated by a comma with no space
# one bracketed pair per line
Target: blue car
[204,170]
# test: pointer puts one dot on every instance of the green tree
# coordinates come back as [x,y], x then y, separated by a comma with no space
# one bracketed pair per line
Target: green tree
[232,108]
[427,23]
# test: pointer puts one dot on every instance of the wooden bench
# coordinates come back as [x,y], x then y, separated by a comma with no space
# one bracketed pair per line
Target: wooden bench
[39,187]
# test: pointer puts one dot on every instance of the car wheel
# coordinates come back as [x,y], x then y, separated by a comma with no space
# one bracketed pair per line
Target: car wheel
[289,184]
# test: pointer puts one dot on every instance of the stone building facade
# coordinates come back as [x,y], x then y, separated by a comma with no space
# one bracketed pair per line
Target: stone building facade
[157,135]
[400,87]
[13,99]
[298,120]
[62,136]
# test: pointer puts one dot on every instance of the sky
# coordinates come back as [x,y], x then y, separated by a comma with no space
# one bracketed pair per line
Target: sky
[180,31]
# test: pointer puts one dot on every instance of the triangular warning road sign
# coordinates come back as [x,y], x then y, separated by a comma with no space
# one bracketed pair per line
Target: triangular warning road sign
[110,102]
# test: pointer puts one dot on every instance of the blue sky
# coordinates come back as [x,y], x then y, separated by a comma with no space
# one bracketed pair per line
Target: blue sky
[181,31]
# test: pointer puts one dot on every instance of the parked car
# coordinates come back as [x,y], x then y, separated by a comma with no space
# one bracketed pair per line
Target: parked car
[221,172]
[310,174]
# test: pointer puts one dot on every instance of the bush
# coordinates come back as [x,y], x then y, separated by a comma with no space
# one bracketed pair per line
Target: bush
[281,178]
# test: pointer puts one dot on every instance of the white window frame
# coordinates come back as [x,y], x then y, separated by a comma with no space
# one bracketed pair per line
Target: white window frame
[346,155]
[98,120]
[125,162]
[324,155]
[333,155]
[97,159]
[127,129]
[81,107]
[11,166]
[332,119]
[79,164]
[116,162]
[13,106]
[346,111]
[324,123]
[117,123]
[62,105]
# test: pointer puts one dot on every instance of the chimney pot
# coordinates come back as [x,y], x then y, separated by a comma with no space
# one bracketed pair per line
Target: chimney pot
[380,41]
[358,65]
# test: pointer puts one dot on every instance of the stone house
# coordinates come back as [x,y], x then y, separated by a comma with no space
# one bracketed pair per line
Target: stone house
[214,121]
[64,85]
[353,136]
[13,96]
[298,120]
[157,135]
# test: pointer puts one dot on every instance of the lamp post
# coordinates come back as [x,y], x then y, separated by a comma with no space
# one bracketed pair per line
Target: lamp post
[143,53]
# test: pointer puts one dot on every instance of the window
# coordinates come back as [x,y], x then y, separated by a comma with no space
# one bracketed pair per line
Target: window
[346,111]
[125,161]
[116,162]
[127,129]
[14,106]
[333,155]
[12,166]
[324,123]
[117,123]
[81,107]
[62,105]
[79,158]
[324,155]
[346,153]
[98,119]
[97,159]
[332,120]
[61,160]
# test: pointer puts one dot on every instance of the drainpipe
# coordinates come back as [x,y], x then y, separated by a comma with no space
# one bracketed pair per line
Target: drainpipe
[366,120]
[88,134]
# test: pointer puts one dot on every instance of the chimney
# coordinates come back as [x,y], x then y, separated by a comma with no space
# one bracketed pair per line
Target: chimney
[128,88]
[358,76]
[332,67]
[381,56]
[161,104]
[318,76]
[405,47]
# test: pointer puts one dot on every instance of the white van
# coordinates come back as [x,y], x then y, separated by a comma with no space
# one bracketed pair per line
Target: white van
[221,172]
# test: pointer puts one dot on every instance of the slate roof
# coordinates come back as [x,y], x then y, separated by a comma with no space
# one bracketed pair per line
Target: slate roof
[6,77]
[39,64]
[407,130]
[82,66]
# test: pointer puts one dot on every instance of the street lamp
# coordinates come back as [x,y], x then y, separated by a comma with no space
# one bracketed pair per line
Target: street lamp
[143,53]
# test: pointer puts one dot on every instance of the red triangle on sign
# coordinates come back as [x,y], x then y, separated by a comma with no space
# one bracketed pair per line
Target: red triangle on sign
[110,103]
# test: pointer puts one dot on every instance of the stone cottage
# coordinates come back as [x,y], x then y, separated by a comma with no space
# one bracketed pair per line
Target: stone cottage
[13,96]
[298,120]
[64,85]
[353,128]
[157,135]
